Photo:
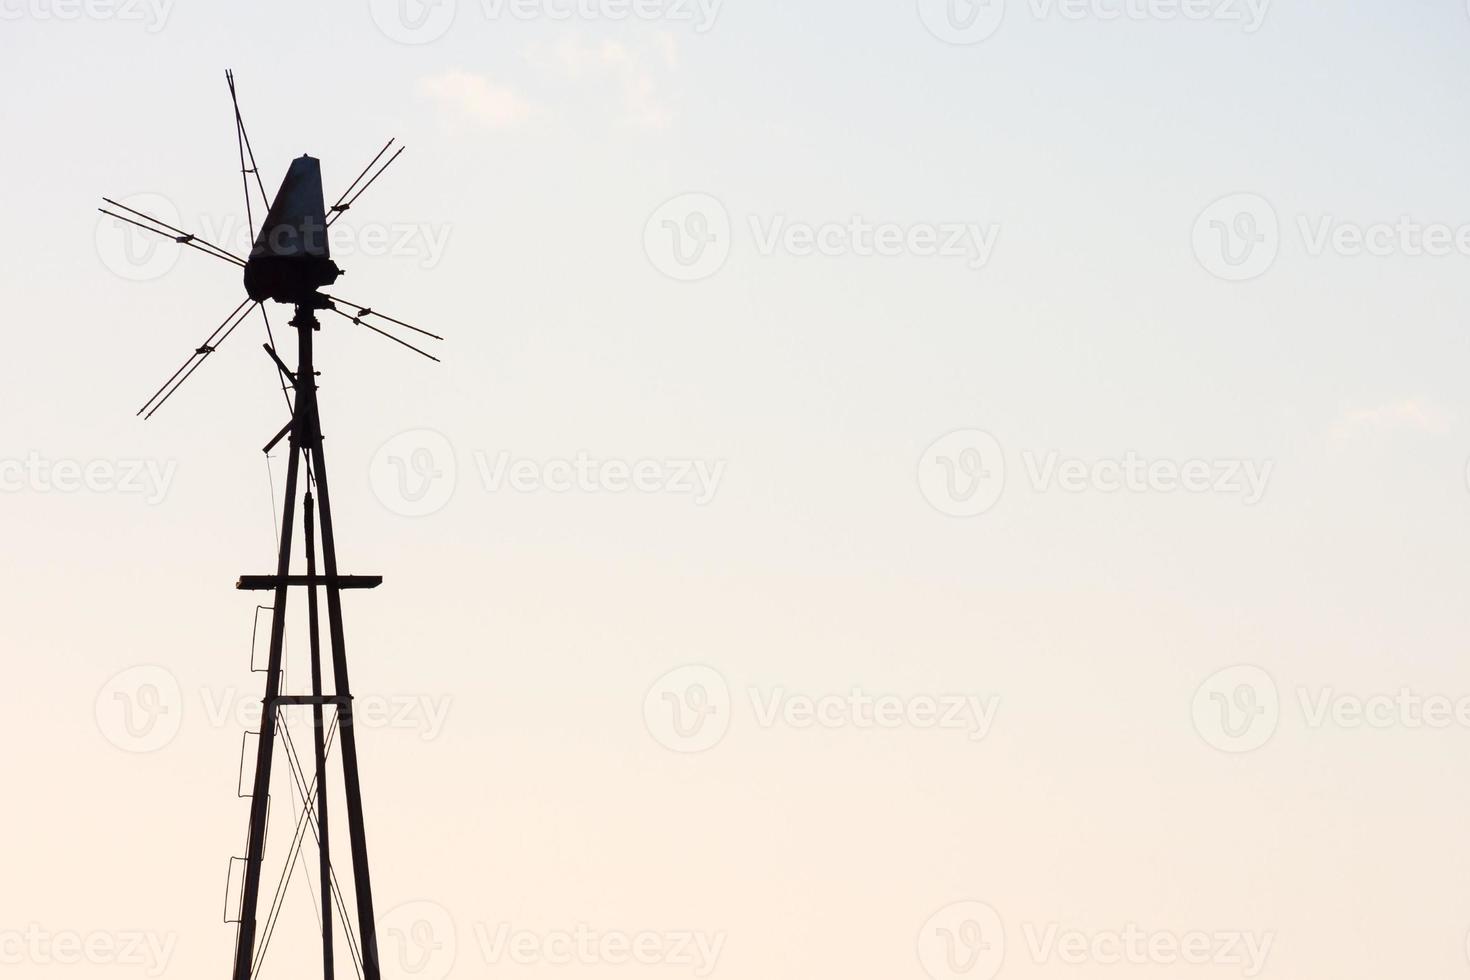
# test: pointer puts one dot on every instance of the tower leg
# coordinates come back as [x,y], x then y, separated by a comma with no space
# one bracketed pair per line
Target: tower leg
[260,794]
[367,924]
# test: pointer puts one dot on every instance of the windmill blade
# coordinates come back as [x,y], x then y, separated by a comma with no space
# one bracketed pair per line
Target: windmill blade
[211,343]
[343,205]
[353,185]
[168,231]
[396,340]
[242,140]
[363,311]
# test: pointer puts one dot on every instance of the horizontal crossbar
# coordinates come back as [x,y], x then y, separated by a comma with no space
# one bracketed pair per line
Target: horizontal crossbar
[289,699]
[261,583]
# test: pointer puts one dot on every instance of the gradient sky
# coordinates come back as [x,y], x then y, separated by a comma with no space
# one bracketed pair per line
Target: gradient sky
[526,222]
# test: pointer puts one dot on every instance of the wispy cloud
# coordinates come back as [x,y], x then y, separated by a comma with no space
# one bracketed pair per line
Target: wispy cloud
[474,98]
[636,72]
[1411,414]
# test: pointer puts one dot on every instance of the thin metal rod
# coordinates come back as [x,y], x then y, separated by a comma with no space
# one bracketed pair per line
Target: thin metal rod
[324,847]
[175,238]
[369,311]
[203,355]
[360,176]
[385,333]
[185,238]
[240,123]
[208,341]
[240,148]
[338,209]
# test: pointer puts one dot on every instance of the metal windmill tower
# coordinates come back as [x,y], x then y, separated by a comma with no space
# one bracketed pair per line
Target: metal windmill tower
[290,263]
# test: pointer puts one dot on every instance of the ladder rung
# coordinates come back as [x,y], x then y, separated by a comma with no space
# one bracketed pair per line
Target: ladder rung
[260,583]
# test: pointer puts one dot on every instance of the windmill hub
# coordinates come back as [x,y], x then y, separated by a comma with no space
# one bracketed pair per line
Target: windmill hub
[292,257]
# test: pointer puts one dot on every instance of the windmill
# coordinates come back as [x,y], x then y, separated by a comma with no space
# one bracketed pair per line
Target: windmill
[290,263]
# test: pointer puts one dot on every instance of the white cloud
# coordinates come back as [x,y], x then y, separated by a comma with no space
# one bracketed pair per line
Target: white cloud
[636,71]
[477,99]
[1412,414]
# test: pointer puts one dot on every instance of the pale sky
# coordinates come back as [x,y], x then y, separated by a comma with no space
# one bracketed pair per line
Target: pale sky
[914,489]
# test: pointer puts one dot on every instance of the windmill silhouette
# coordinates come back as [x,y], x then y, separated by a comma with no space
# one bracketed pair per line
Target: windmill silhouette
[290,262]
